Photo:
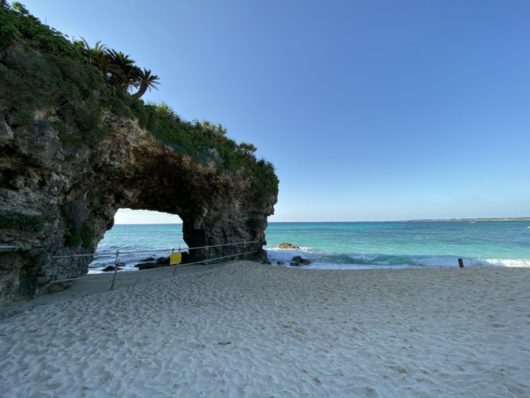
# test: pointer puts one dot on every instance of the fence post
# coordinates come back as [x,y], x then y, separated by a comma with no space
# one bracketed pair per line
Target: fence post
[116,263]
[175,270]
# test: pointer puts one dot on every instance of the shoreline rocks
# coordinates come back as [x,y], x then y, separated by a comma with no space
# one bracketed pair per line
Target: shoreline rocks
[297,261]
[109,268]
[287,245]
[160,262]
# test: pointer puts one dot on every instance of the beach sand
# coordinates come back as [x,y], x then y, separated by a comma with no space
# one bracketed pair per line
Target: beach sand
[252,330]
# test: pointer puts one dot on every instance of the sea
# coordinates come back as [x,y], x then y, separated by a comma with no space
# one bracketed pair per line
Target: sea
[347,245]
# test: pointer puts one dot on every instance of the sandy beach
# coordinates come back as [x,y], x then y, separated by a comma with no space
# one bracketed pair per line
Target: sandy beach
[252,330]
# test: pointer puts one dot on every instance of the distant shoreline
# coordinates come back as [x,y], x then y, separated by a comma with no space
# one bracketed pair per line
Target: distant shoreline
[498,219]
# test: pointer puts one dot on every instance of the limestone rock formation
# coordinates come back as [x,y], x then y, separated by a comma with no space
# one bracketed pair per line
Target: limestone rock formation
[56,200]
[75,147]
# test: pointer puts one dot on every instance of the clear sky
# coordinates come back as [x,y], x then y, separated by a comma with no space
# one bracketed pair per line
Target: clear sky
[370,110]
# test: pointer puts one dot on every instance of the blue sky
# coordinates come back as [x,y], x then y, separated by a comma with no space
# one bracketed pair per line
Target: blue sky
[370,110]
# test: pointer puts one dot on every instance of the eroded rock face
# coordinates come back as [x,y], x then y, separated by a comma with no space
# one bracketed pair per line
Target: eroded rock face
[64,197]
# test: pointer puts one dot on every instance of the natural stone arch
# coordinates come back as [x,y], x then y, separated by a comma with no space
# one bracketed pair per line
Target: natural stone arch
[72,153]
[77,192]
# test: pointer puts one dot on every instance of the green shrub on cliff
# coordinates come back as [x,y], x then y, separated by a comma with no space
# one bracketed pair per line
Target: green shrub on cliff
[21,222]
[41,69]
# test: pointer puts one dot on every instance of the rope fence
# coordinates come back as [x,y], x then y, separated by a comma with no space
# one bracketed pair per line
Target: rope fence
[150,251]
[119,253]
[8,247]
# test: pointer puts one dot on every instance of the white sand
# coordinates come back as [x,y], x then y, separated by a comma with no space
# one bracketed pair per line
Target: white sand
[249,330]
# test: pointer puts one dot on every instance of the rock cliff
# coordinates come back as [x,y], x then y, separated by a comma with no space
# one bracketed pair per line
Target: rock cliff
[59,201]
[73,150]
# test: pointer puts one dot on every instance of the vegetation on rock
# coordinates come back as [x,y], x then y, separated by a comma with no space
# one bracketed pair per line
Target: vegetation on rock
[21,222]
[42,70]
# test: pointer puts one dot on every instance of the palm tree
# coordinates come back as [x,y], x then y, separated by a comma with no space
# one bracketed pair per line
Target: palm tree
[121,69]
[99,47]
[98,51]
[96,54]
[144,80]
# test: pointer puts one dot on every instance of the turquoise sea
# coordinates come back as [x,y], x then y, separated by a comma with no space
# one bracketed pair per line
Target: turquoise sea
[339,245]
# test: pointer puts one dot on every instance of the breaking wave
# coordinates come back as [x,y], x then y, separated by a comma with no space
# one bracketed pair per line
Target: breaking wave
[323,260]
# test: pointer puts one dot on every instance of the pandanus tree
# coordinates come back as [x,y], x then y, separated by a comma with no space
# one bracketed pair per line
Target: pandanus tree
[144,80]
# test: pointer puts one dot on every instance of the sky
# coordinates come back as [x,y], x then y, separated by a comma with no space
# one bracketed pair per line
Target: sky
[369,110]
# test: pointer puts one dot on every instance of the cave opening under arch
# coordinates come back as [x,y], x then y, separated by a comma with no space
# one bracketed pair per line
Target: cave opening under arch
[142,236]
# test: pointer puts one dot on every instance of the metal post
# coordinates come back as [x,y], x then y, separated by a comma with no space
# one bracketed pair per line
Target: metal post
[175,270]
[116,263]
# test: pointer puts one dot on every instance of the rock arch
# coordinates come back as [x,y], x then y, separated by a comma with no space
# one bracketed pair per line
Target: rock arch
[72,193]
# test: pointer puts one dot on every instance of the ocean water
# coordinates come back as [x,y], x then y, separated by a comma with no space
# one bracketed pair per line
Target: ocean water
[404,244]
[152,240]
[352,245]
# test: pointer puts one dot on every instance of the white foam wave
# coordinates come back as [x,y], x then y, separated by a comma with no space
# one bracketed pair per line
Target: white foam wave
[300,249]
[372,261]
[324,266]
[512,263]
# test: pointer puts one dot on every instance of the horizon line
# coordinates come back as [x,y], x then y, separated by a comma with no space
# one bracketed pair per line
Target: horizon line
[483,219]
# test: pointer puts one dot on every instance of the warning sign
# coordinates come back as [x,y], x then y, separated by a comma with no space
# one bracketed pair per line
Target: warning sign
[175,258]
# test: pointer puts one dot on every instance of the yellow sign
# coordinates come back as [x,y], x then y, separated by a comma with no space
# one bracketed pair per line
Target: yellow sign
[175,258]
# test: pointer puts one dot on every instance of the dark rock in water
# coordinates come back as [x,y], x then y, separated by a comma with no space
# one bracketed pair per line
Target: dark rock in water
[162,260]
[110,268]
[279,262]
[297,261]
[145,264]
[286,245]
[148,265]
[151,262]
